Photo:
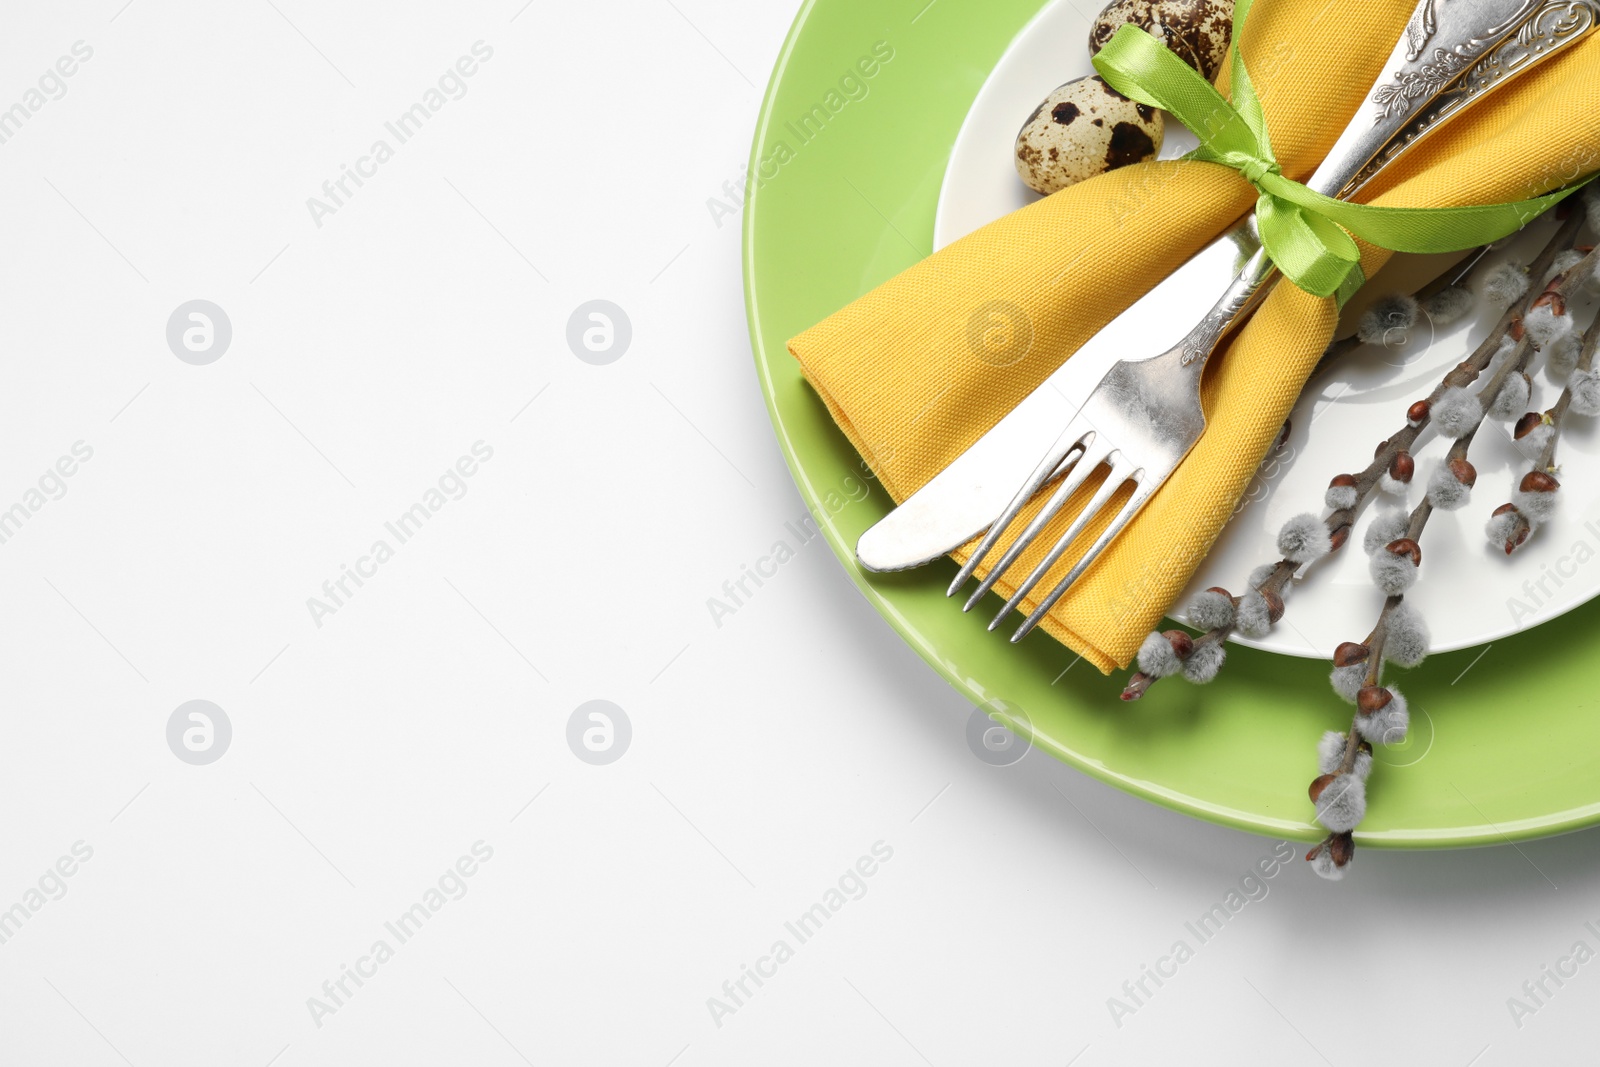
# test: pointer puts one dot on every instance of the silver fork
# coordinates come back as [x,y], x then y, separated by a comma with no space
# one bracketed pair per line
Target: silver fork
[1145,415]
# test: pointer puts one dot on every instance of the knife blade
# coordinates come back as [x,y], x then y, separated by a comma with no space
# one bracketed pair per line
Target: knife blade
[962,500]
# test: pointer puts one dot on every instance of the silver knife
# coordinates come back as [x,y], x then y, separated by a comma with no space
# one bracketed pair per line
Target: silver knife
[962,501]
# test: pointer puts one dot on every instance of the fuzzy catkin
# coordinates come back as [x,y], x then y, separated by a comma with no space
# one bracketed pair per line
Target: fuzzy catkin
[1322,866]
[1387,526]
[1347,681]
[1503,284]
[1457,412]
[1562,356]
[1387,725]
[1389,484]
[1445,492]
[1254,619]
[1330,753]
[1388,320]
[1450,304]
[1502,350]
[1393,574]
[1543,326]
[1204,663]
[1259,576]
[1538,508]
[1304,539]
[1342,804]
[1585,388]
[1156,657]
[1531,444]
[1563,262]
[1340,497]
[1210,611]
[1512,399]
[1406,639]
[1499,528]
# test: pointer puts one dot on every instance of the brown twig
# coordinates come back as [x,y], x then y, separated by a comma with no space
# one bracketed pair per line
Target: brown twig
[1556,417]
[1466,372]
[1415,525]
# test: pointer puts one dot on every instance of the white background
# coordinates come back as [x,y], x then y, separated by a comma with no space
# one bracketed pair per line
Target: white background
[370,752]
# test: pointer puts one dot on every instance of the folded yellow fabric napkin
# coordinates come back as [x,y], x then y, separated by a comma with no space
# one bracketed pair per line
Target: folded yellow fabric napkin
[899,375]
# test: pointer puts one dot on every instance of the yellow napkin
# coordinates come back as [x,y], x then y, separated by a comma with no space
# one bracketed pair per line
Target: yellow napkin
[900,377]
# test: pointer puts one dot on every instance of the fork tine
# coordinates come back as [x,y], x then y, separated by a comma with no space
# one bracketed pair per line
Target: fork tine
[1120,473]
[1147,487]
[1088,462]
[1053,462]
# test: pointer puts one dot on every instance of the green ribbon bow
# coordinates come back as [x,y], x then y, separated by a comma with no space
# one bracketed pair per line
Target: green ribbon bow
[1303,231]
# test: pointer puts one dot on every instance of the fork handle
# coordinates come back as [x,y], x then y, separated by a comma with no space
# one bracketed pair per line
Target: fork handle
[1246,291]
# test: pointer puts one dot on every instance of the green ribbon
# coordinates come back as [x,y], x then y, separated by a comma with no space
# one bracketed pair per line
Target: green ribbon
[1303,231]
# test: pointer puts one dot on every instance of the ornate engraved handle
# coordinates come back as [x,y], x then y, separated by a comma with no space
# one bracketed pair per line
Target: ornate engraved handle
[1443,39]
[1247,290]
[1555,25]
[1483,42]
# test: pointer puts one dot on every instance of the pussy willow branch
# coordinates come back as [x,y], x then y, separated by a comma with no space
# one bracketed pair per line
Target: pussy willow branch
[1464,373]
[1557,415]
[1568,283]
[1415,525]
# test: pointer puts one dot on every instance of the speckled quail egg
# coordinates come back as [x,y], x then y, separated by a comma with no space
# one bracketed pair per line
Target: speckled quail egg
[1082,129]
[1197,31]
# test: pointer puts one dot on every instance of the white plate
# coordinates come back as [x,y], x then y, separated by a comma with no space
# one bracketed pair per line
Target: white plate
[1470,592]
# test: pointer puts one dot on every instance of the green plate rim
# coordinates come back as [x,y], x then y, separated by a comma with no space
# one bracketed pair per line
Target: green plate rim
[1488,832]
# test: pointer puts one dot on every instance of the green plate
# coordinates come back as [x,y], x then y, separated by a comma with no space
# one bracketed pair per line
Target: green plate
[1505,741]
